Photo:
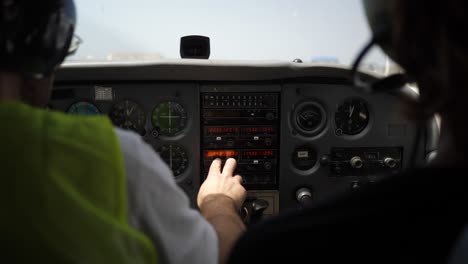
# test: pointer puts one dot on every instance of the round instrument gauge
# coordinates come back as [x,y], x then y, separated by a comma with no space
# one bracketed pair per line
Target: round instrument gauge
[304,158]
[169,118]
[128,115]
[175,157]
[83,108]
[352,117]
[310,118]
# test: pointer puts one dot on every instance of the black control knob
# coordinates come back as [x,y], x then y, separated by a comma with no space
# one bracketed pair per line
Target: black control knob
[356,162]
[304,197]
[325,160]
[230,143]
[259,206]
[267,166]
[155,133]
[252,211]
[270,116]
[356,185]
[390,162]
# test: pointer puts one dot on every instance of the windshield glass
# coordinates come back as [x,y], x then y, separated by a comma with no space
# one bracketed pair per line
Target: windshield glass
[315,31]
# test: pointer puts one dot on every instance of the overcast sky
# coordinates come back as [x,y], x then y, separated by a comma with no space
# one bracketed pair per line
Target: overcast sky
[239,29]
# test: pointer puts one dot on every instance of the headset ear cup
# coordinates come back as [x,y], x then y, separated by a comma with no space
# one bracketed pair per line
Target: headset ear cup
[40,32]
[64,50]
[62,26]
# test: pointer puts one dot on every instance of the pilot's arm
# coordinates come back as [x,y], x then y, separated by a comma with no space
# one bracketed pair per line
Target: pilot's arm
[161,210]
[220,198]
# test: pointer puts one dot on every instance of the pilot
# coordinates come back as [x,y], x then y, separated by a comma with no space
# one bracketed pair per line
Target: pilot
[414,217]
[77,190]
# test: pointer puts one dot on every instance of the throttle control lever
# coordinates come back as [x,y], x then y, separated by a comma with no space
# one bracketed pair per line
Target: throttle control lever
[252,211]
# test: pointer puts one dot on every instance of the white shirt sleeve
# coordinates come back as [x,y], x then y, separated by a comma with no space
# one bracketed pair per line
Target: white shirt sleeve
[161,210]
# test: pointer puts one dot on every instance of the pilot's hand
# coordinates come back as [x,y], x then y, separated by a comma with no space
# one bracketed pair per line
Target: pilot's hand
[222,182]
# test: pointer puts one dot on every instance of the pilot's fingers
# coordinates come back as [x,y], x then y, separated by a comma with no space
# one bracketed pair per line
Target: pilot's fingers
[215,167]
[238,178]
[229,167]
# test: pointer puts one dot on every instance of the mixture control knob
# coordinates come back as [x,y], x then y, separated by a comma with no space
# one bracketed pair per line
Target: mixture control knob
[390,162]
[304,196]
[356,162]
[270,116]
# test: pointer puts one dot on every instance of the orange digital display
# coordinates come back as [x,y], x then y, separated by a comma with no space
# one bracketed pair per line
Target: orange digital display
[269,130]
[222,130]
[258,153]
[211,154]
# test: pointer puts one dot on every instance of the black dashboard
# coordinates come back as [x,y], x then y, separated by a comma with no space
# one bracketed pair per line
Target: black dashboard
[298,132]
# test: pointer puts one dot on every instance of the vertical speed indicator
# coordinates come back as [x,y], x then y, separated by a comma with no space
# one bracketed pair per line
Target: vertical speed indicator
[175,157]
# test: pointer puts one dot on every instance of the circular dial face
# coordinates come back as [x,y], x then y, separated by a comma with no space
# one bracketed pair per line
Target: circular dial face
[352,117]
[304,158]
[169,118]
[175,157]
[310,117]
[128,115]
[83,108]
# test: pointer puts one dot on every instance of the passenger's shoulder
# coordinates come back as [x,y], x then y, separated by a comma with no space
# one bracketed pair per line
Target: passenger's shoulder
[127,138]
[132,146]
[139,155]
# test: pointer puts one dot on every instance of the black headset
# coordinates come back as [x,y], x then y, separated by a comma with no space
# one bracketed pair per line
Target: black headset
[379,16]
[35,35]
[378,13]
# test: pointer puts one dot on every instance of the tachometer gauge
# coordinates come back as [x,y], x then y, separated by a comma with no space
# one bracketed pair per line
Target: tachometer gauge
[175,157]
[83,108]
[128,115]
[352,117]
[170,118]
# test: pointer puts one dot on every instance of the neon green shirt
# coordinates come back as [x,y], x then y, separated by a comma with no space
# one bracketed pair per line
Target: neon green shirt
[63,193]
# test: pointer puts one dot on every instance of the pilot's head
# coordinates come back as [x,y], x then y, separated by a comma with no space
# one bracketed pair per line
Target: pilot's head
[427,38]
[35,38]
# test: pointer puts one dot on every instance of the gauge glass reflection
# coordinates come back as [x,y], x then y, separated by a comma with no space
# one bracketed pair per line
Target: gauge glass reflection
[175,157]
[169,118]
[352,117]
[83,108]
[128,115]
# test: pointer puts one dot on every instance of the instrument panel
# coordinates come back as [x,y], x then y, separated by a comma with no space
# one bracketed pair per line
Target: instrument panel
[244,126]
[287,135]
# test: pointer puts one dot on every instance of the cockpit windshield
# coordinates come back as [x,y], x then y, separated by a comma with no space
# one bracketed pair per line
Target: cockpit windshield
[314,31]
